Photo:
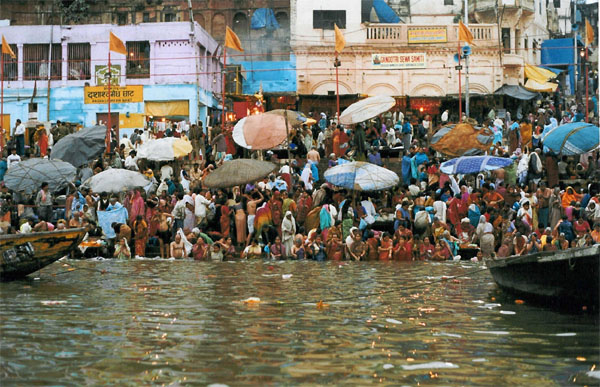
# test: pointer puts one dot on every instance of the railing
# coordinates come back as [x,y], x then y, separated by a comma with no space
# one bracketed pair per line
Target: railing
[489,5]
[483,34]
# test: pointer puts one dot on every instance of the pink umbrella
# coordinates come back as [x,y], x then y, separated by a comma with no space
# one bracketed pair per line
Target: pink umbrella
[262,131]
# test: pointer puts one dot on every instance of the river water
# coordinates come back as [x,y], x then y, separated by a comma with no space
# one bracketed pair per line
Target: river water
[183,322]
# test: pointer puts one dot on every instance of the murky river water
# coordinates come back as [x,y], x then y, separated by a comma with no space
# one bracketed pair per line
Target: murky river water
[176,322]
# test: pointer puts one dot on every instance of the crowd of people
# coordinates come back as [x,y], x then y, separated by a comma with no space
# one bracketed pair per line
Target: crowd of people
[539,203]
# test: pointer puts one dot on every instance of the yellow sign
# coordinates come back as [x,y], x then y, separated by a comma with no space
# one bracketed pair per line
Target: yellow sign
[126,94]
[427,35]
[399,61]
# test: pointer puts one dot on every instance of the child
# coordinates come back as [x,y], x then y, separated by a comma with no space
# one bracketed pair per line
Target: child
[385,249]
[318,249]
[297,250]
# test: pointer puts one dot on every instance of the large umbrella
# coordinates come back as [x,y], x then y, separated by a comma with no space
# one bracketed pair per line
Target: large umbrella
[367,108]
[81,147]
[164,149]
[116,180]
[27,176]
[361,176]
[239,171]
[572,139]
[294,118]
[261,131]
[462,140]
[474,164]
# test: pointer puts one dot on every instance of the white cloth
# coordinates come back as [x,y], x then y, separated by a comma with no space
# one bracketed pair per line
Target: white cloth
[166,172]
[12,160]
[200,205]
[445,116]
[306,177]
[131,163]
[440,210]
[19,130]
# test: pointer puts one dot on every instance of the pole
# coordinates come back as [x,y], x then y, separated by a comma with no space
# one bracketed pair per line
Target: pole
[575,72]
[223,87]
[108,127]
[459,87]
[337,87]
[49,66]
[467,64]
[2,102]
[587,96]
[287,134]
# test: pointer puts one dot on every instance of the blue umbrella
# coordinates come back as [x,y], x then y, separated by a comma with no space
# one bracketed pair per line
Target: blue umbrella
[572,139]
[361,176]
[474,164]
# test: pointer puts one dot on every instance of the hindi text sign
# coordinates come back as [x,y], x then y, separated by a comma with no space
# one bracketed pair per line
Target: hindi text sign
[118,94]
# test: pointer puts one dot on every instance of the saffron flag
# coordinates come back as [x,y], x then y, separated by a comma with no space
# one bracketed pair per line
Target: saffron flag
[232,40]
[464,33]
[589,33]
[6,48]
[116,45]
[340,41]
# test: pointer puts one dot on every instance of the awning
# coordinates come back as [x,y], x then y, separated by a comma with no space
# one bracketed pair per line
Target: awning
[516,91]
[167,108]
[546,87]
[538,74]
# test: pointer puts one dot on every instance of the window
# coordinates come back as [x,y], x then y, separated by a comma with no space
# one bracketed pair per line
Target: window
[326,19]
[506,39]
[78,55]
[35,61]
[146,17]
[11,69]
[448,2]
[170,17]
[138,59]
[121,18]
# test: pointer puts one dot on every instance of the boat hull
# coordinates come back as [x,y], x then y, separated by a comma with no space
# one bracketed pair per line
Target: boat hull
[23,254]
[569,276]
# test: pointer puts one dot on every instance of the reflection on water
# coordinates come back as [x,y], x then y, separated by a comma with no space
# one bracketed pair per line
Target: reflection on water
[148,321]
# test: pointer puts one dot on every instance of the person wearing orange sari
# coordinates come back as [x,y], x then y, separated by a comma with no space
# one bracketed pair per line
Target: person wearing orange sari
[570,196]
[336,142]
[385,247]
[140,228]
[225,221]
[43,142]
[403,250]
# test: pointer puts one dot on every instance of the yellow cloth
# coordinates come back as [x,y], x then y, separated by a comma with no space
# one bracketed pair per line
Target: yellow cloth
[538,74]
[464,33]
[116,45]
[232,40]
[6,48]
[167,108]
[589,33]
[533,85]
[181,148]
[340,41]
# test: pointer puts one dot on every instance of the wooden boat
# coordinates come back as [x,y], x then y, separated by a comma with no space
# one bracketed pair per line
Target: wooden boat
[23,254]
[564,277]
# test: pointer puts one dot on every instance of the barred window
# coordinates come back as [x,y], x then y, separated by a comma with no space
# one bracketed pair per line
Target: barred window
[35,61]
[138,59]
[11,68]
[79,61]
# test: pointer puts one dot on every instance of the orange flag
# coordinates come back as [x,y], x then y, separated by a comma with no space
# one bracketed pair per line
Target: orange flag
[589,33]
[464,33]
[340,41]
[6,48]
[232,40]
[116,45]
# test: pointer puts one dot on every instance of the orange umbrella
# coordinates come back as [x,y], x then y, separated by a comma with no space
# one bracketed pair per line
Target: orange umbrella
[262,131]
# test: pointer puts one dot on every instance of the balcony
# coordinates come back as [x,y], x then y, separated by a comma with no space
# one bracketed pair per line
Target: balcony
[483,6]
[485,35]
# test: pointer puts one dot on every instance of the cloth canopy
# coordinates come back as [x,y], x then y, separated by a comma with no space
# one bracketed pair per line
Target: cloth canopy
[545,87]
[366,109]
[165,149]
[516,91]
[28,175]
[237,172]
[474,164]
[571,139]
[385,13]
[167,108]
[81,147]
[361,176]
[116,180]
[264,18]
[538,74]
[462,140]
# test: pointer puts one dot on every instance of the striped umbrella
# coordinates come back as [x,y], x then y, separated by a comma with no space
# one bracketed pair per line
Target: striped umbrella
[361,176]
[474,164]
[572,139]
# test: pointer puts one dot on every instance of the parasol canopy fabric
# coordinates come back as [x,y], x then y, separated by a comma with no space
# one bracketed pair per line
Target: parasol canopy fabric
[164,149]
[474,164]
[116,180]
[238,171]
[462,140]
[81,147]
[366,109]
[361,176]
[27,176]
[570,139]
[294,118]
[261,131]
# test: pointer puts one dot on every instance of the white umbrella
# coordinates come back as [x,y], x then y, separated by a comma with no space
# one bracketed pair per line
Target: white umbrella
[366,109]
[164,149]
[361,176]
[116,180]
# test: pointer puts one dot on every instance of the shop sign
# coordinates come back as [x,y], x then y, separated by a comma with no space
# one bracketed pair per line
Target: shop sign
[118,94]
[427,35]
[398,61]
[101,74]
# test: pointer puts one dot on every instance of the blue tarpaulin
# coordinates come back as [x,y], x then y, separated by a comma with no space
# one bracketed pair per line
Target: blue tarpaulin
[107,218]
[559,52]
[385,13]
[264,18]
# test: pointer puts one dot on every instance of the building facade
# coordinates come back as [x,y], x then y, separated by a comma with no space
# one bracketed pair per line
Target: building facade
[172,71]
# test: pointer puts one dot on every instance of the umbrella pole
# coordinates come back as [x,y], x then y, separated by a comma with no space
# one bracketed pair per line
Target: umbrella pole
[587,77]
[108,120]
[459,87]
[2,103]
[287,134]
[223,87]
[337,87]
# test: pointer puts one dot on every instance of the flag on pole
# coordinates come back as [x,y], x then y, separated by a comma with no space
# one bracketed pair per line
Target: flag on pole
[232,40]
[464,33]
[589,33]
[117,45]
[340,41]
[6,48]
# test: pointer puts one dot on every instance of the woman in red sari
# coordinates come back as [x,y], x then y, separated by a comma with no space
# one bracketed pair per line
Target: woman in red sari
[225,221]
[43,142]
[334,247]
[403,250]
[336,143]
[140,228]
[229,142]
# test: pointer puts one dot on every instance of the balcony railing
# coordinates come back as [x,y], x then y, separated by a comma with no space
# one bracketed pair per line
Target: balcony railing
[490,5]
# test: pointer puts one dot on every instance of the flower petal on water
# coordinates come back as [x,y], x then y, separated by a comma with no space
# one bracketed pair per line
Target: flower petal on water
[251,300]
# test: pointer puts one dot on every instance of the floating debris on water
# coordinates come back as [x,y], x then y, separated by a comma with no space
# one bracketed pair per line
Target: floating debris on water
[432,365]
[388,366]
[493,332]
[447,334]
[507,312]
[52,302]
[566,334]
[393,321]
